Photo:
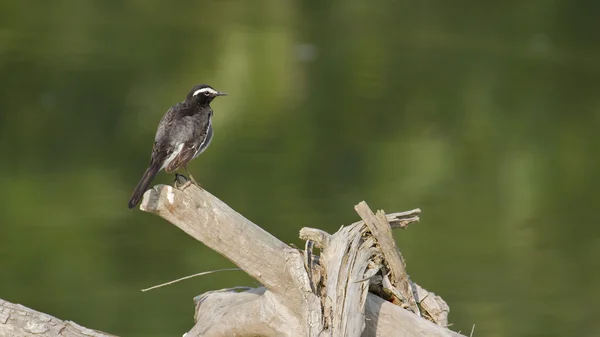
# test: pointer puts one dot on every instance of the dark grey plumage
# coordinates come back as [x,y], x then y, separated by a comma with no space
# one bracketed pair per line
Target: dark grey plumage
[183,133]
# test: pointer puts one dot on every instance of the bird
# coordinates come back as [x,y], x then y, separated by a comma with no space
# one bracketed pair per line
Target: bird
[183,133]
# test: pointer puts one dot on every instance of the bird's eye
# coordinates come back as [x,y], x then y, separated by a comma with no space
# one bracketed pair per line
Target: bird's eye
[206,93]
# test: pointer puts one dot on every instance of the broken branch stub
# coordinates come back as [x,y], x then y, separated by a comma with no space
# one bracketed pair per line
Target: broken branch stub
[382,232]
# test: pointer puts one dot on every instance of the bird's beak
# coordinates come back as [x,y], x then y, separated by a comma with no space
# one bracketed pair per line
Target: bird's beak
[221,93]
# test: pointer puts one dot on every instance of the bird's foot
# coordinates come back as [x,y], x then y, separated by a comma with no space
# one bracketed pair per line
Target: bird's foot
[179,180]
[182,182]
[194,180]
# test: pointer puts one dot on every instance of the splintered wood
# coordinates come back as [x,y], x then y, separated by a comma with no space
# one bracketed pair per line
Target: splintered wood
[394,263]
[365,256]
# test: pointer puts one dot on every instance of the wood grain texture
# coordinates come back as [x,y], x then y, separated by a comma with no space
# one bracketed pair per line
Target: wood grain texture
[212,222]
[19,321]
[381,230]
[271,262]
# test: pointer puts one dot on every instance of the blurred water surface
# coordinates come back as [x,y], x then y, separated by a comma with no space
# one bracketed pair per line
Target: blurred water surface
[485,115]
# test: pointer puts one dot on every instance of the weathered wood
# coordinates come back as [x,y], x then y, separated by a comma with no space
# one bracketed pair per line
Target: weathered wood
[271,262]
[303,294]
[403,219]
[346,261]
[20,321]
[387,319]
[381,230]
[212,222]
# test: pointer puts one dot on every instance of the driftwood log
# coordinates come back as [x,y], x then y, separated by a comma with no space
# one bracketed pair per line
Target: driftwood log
[356,286]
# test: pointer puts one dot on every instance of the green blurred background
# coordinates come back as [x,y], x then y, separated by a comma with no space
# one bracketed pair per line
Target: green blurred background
[484,115]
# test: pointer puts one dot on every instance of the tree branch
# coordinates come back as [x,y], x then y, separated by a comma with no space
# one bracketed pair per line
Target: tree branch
[271,262]
[212,222]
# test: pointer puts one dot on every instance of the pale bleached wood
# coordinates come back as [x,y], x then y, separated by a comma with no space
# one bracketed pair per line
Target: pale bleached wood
[346,261]
[403,219]
[295,300]
[396,220]
[319,237]
[261,317]
[279,309]
[271,262]
[19,321]
[385,319]
[433,306]
[231,313]
[214,223]
[381,230]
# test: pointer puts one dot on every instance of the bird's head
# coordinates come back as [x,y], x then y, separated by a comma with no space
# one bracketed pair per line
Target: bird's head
[203,94]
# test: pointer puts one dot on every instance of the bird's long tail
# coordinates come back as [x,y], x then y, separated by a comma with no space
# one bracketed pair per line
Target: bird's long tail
[143,184]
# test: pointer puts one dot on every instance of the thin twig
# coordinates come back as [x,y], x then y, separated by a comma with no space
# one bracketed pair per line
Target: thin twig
[188,277]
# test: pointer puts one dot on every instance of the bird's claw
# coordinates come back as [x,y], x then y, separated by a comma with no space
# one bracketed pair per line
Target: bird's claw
[194,181]
[182,182]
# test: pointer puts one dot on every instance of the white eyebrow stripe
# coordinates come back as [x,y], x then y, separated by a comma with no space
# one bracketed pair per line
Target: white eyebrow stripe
[199,91]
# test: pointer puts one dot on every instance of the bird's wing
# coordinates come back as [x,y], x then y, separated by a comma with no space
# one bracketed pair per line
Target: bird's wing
[160,153]
[161,150]
[196,136]
[165,124]
[188,149]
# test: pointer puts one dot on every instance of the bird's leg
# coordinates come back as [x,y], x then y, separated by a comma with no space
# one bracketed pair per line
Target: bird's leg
[181,181]
[178,180]
[191,178]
